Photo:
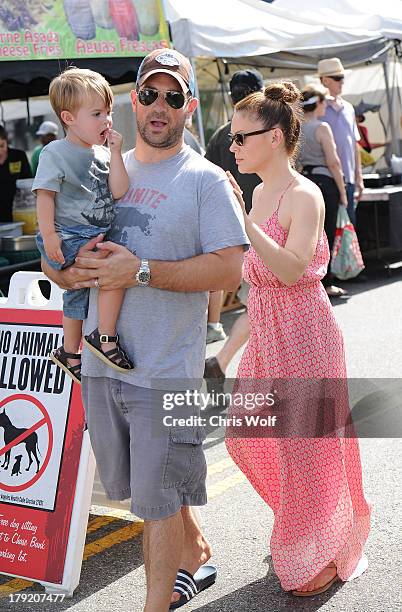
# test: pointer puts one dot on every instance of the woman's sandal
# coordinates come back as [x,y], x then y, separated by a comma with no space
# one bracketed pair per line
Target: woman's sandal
[333,291]
[116,358]
[320,589]
[60,358]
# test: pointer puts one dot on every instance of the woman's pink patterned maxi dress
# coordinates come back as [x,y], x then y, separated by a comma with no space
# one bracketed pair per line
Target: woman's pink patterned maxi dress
[312,484]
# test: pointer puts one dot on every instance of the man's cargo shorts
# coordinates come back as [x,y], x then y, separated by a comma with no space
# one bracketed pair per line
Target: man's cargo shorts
[139,452]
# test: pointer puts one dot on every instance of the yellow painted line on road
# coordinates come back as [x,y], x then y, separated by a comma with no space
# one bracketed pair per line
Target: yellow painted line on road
[12,586]
[220,466]
[116,537]
[218,488]
[99,522]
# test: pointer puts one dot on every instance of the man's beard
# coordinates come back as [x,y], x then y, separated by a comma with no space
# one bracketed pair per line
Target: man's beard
[170,139]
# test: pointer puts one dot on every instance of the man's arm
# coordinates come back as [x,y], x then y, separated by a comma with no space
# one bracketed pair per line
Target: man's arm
[26,171]
[207,272]
[358,172]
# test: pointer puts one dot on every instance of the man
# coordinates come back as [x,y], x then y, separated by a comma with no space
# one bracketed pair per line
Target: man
[341,117]
[242,84]
[184,236]
[47,132]
[14,165]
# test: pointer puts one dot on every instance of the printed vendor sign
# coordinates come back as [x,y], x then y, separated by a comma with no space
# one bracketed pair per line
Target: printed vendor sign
[42,29]
[41,432]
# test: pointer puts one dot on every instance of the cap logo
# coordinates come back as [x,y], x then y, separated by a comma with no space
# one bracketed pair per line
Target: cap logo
[167,59]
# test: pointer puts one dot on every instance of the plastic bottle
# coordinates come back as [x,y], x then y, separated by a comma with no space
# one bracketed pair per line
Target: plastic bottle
[80,18]
[124,17]
[24,206]
[101,14]
[148,16]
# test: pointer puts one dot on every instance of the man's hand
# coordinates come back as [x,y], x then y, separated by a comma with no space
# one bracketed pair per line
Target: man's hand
[344,200]
[67,278]
[359,185]
[52,244]
[116,270]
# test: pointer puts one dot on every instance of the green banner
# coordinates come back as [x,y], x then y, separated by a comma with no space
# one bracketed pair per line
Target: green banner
[57,29]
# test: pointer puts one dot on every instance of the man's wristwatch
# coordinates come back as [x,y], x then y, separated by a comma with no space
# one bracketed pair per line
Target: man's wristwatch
[143,275]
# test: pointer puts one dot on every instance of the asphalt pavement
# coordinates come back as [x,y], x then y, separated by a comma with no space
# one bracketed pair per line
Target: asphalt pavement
[238,523]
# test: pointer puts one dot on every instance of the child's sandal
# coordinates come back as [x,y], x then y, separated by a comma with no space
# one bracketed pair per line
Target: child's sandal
[60,358]
[116,358]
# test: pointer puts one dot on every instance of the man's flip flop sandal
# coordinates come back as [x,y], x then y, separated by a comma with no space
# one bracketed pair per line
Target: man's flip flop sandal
[189,586]
[115,358]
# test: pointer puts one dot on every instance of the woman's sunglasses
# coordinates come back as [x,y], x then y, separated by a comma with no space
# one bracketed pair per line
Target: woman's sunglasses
[148,96]
[239,137]
[337,78]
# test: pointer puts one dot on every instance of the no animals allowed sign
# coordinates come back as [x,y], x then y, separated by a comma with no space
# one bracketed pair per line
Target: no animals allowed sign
[41,430]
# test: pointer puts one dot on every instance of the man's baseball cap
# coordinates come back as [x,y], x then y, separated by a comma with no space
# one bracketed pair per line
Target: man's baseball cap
[47,127]
[247,79]
[168,61]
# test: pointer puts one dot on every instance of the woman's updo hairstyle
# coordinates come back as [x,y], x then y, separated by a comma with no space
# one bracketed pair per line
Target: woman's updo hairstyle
[278,105]
[313,95]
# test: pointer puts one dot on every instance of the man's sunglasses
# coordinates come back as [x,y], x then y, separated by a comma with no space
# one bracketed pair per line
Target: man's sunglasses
[175,99]
[239,137]
[337,78]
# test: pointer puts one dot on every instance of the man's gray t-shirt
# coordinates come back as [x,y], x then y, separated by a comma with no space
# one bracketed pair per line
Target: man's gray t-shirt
[79,176]
[174,209]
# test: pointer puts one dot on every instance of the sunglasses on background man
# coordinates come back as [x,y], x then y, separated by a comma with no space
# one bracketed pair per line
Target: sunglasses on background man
[337,78]
[175,99]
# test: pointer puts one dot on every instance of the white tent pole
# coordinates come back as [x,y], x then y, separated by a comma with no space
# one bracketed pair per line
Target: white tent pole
[198,110]
[394,137]
[228,108]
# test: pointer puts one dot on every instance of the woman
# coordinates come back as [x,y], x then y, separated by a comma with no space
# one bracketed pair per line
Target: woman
[13,165]
[310,472]
[321,164]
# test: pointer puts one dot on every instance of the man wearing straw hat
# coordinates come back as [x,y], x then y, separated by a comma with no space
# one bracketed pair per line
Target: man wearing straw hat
[341,117]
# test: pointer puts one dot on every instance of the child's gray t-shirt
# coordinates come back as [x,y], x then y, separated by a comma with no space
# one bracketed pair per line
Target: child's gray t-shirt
[175,209]
[79,177]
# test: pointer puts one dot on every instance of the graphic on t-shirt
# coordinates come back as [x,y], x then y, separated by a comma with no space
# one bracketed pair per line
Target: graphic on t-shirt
[103,210]
[128,222]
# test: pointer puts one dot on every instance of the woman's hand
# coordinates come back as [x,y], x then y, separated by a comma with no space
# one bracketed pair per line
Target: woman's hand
[115,270]
[237,191]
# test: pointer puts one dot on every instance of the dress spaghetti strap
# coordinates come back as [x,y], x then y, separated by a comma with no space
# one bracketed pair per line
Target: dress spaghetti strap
[285,190]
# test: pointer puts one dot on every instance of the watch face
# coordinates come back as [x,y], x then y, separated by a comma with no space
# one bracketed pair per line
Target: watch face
[143,277]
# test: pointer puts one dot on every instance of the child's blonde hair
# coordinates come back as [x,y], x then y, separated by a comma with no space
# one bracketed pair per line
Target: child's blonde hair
[69,89]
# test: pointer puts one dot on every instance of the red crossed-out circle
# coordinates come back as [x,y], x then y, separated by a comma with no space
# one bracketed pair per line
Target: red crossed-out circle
[45,421]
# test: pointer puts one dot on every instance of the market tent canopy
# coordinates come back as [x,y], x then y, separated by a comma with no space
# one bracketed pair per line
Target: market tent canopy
[249,28]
